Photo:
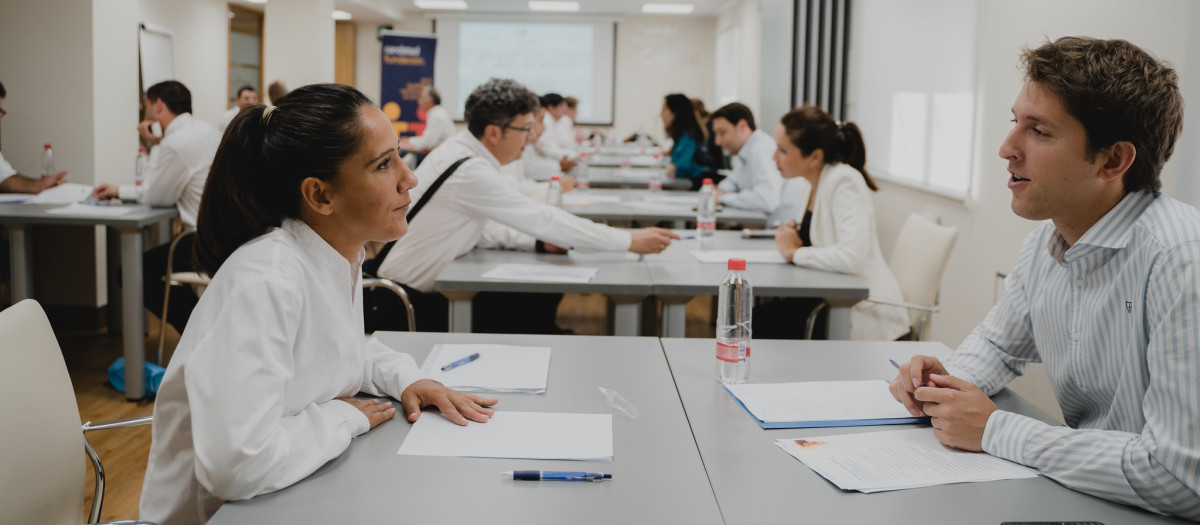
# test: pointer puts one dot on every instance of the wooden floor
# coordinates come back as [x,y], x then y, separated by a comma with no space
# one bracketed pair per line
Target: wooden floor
[124,451]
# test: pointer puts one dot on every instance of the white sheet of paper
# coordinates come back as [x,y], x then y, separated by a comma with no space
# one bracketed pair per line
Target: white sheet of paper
[579,256]
[659,206]
[499,368]
[687,199]
[819,401]
[897,459]
[516,435]
[576,198]
[78,208]
[541,273]
[14,198]
[751,256]
[65,193]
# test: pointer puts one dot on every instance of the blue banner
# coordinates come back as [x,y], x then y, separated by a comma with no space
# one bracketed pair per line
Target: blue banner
[407,68]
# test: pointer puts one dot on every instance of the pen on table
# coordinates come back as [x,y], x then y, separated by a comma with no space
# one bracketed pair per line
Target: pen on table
[554,475]
[461,362]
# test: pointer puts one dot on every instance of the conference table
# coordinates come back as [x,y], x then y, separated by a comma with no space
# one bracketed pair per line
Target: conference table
[692,455]
[130,223]
[644,206]
[757,482]
[658,476]
[631,177]
[674,277]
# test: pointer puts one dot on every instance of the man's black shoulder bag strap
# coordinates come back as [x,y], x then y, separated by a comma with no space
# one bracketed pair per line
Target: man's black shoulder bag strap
[372,266]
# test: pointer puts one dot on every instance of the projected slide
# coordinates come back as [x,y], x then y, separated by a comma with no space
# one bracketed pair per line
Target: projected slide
[544,57]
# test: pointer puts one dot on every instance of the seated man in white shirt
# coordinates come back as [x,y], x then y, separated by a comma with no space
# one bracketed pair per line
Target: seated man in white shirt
[246,96]
[755,181]
[451,221]
[438,125]
[13,182]
[174,176]
[549,149]
[566,124]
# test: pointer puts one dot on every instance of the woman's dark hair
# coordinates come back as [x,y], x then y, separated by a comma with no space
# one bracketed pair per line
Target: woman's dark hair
[685,118]
[810,128]
[254,182]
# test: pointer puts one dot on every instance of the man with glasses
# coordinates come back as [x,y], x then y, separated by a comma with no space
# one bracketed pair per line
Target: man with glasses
[13,182]
[500,116]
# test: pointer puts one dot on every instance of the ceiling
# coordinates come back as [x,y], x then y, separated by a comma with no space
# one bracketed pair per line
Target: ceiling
[384,10]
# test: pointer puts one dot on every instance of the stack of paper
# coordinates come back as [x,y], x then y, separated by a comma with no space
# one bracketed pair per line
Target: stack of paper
[518,435]
[541,273]
[499,368]
[91,210]
[897,459]
[822,404]
[751,256]
[65,193]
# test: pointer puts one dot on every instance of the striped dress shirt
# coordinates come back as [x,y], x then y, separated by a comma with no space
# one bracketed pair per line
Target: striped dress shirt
[1116,320]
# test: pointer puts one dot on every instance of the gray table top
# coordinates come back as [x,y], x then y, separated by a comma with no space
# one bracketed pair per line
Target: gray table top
[757,482]
[639,205]
[617,277]
[141,215]
[658,476]
[676,272]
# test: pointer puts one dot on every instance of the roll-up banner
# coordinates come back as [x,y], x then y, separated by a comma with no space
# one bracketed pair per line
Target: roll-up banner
[407,67]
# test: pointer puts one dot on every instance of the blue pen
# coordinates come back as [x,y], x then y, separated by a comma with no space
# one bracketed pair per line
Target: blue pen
[897,365]
[555,475]
[461,362]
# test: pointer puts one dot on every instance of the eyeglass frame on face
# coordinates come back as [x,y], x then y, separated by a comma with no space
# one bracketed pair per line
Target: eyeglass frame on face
[526,130]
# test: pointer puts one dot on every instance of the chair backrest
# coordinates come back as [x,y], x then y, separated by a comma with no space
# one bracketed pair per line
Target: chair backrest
[42,470]
[918,260]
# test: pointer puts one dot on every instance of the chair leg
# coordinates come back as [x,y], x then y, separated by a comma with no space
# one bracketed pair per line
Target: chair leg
[811,325]
[162,321]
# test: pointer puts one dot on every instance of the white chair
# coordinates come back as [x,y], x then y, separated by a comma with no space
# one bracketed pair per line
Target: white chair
[173,278]
[41,477]
[917,262]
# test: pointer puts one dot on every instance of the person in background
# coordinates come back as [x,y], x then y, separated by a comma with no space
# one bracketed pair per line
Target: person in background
[246,96]
[566,124]
[438,125]
[716,160]
[530,172]
[174,176]
[755,181]
[261,394]
[500,117]
[550,146]
[837,232]
[13,182]
[1105,291]
[679,119]
[276,91]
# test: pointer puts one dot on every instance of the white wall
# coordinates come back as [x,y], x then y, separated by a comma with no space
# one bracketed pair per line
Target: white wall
[200,38]
[989,233]
[1187,151]
[656,56]
[298,42]
[747,16]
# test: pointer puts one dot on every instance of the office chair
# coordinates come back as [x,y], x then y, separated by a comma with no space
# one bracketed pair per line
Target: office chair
[371,283]
[917,262]
[173,278]
[41,478]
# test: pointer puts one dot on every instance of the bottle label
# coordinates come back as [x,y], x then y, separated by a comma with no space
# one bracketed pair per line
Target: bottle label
[733,353]
[656,185]
[709,225]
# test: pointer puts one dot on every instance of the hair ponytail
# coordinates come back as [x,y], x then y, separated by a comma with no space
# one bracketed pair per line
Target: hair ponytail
[810,128]
[254,181]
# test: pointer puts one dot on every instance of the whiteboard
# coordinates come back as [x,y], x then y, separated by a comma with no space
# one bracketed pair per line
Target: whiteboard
[157,55]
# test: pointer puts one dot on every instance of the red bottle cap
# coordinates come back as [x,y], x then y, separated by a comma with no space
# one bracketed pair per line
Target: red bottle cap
[141,149]
[737,264]
[706,182]
[554,177]
[47,145]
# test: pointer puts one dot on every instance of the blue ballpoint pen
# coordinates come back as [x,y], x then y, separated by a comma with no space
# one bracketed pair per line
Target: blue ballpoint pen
[461,362]
[555,475]
[897,365]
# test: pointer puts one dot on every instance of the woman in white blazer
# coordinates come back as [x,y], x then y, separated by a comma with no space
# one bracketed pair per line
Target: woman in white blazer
[837,231]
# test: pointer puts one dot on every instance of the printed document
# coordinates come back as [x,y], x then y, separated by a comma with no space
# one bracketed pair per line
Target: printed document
[897,459]
[751,256]
[499,368]
[822,404]
[65,193]
[516,435]
[541,273]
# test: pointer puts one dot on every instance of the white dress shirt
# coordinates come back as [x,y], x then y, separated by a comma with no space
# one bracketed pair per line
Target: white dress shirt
[549,146]
[439,127]
[536,167]
[566,133]
[453,220]
[247,405]
[228,117]
[793,201]
[178,168]
[1116,320]
[844,240]
[6,169]
[755,181]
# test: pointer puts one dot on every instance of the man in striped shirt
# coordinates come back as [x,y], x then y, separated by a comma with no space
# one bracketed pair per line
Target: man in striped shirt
[1106,293]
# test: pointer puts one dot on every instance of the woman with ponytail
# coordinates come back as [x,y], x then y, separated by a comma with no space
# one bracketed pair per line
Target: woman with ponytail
[837,231]
[259,392]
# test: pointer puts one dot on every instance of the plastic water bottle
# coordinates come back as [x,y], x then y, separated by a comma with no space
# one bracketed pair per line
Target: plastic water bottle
[140,167]
[48,161]
[706,216]
[581,172]
[554,194]
[735,304]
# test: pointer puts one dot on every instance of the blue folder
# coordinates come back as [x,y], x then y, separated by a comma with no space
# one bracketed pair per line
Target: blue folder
[830,422]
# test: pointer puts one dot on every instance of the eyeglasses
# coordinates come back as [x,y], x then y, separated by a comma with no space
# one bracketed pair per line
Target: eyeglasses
[526,130]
